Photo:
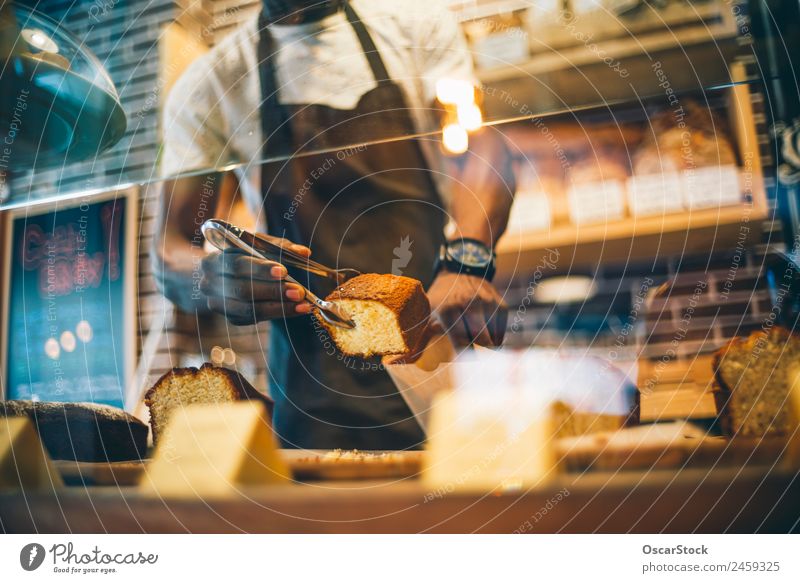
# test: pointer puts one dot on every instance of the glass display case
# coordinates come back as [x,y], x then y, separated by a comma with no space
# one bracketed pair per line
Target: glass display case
[627,132]
[59,104]
[531,61]
[634,143]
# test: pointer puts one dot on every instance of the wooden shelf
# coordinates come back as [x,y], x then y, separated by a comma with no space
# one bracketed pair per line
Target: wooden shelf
[640,38]
[632,239]
[650,237]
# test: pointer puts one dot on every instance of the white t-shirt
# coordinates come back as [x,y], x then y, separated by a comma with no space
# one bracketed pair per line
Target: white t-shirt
[212,115]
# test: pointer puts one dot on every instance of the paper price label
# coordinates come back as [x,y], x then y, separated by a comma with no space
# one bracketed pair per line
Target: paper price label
[596,202]
[655,194]
[497,50]
[24,463]
[531,212]
[711,187]
[212,450]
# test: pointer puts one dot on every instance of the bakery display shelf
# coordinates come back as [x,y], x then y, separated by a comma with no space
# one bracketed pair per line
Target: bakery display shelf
[654,236]
[716,16]
[502,118]
[631,239]
[466,10]
[706,24]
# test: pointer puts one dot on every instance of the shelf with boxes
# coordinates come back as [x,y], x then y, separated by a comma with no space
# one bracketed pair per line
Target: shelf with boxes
[548,36]
[560,54]
[642,181]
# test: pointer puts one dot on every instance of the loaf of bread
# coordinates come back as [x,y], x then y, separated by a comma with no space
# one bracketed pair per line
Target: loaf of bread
[187,386]
[390,313]
[604,163]
[752,378]
[702,141]
[84,432]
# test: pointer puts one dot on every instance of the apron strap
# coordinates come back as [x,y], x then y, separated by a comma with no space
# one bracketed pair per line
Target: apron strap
[368,46]
[275,126]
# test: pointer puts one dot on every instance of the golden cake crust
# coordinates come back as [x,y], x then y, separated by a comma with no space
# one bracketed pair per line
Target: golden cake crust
[394,291]
[240,388]
[404,296]
[725,395]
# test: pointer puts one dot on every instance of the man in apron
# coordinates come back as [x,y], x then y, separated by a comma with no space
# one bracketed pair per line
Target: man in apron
[375,208]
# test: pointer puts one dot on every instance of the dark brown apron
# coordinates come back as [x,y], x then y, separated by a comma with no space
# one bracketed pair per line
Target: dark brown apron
[373,208]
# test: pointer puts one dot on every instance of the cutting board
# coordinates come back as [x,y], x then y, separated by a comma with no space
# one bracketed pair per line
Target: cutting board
[647,447]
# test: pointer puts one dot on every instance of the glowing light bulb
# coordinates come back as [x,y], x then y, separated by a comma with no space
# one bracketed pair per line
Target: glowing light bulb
[469,117]
[454,91]
[217,355]
[84,331]
[68,341]
[39,39]
[228,357]
[52,349]
[455,138]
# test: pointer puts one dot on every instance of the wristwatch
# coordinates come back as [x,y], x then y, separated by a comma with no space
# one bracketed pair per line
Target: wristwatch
[468,256]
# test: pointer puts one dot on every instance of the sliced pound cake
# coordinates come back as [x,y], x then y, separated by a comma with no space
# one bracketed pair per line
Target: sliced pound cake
[390,312]
[753,376]
[186,386]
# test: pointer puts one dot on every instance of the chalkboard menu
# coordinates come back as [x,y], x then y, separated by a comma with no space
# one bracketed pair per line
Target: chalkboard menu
[67,331]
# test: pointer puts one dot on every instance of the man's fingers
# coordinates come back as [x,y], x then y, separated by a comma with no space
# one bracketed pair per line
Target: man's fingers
[233,263]
[455,328]
[497,318]
[251,290]
[299,249]
[243,313]
[286,244]
[477,327]
[434,327]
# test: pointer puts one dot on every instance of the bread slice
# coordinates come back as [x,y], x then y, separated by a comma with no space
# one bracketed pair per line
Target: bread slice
[752,378]
[187,386]
[84,432]
[390,312]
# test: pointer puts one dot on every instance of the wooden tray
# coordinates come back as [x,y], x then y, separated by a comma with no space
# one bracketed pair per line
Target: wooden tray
[305,465]
[100,473]
[377,465]
[673,445]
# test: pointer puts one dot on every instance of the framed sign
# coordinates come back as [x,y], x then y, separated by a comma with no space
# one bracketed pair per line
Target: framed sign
[69,303]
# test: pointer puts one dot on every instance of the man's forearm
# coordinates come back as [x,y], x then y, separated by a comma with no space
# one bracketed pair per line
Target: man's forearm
[484,191]
[177,271]
[177,250]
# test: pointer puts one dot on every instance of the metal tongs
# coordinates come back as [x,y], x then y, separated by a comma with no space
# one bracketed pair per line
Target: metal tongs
[224,235]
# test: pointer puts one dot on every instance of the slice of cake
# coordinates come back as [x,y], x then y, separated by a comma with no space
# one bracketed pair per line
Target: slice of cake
[390,313]
[186,386]
[753,376]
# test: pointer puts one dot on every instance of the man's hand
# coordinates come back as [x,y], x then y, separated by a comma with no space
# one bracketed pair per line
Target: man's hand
[469,308]
[247,290]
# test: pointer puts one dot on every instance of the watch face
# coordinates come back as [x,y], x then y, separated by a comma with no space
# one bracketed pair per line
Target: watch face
[470,253]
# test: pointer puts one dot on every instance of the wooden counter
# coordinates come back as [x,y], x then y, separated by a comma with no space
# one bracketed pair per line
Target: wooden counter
[755,499]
